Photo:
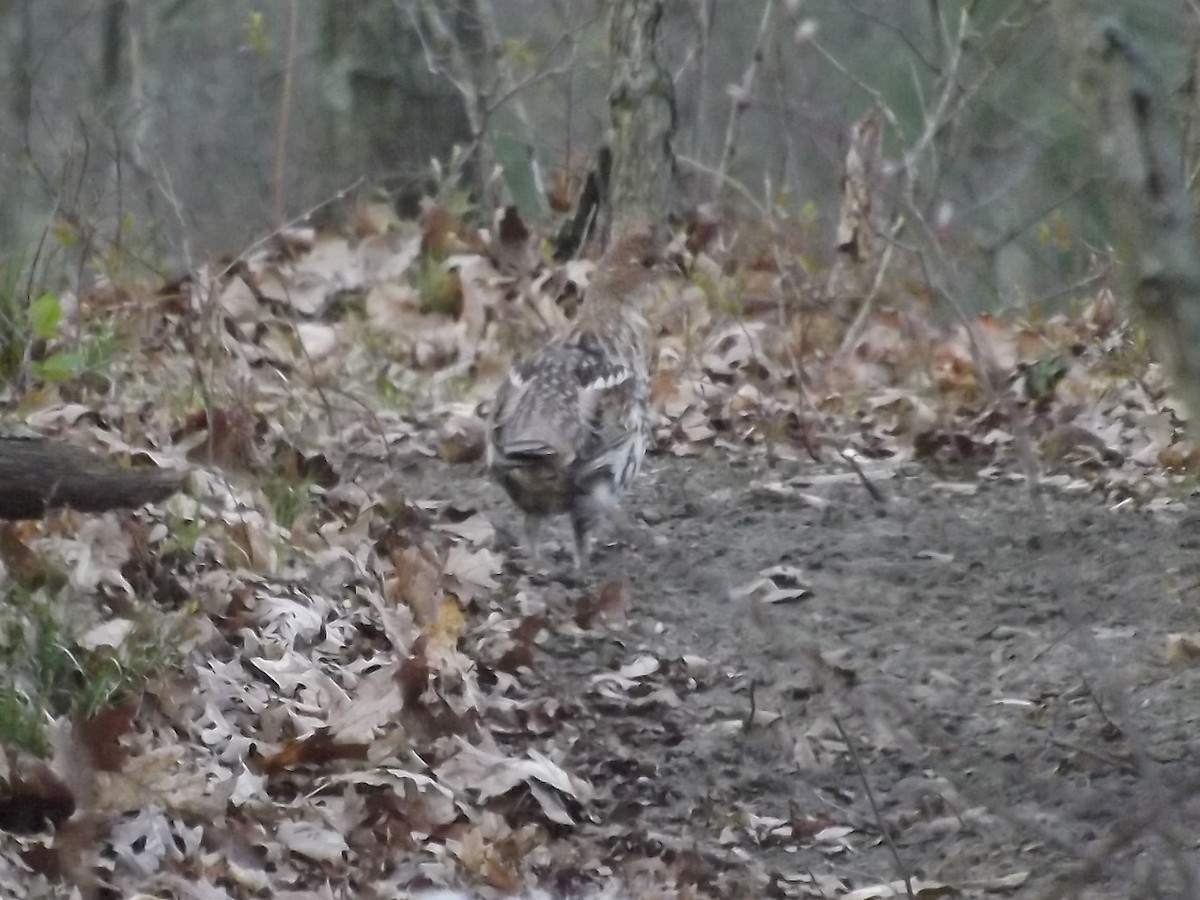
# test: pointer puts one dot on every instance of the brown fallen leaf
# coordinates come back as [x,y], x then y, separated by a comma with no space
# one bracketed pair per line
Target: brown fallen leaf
[415,672]
[317,749]
[462,439]
[513,250]
[1183,649]
[608,606]
[1181,457]
[19,560]
[374,216]
[520,653]
[101,733]
[33,798]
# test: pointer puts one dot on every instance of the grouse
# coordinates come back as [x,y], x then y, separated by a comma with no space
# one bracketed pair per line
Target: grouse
[569,425]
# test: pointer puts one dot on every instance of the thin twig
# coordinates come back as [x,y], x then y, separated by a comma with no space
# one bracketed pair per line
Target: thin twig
[884,832]
[871,487]
[877,98]
[291,223]
[279,164]
[868,305]
[707,9]
[740,188]
[986,366]
[1123,833]
[748,722]
[741,94]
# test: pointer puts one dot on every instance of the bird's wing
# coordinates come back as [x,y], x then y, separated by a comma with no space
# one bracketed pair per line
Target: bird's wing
[612,399]
[604,406]
[536,413]
[570,399]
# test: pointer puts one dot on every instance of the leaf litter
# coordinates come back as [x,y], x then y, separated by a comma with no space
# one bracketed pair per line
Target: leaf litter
[354,706]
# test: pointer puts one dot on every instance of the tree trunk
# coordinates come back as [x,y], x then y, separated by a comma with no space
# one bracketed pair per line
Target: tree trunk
[1150,213]
[387,115]
[641,100]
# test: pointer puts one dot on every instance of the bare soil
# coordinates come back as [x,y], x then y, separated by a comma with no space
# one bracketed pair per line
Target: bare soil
[1001,686]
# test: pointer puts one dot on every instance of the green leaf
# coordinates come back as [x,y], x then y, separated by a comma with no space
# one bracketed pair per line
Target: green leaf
[256,34]
[516,161]
[44,313]
[58,367]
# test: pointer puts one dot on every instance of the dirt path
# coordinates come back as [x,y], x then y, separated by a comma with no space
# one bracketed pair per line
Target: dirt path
[1006,694]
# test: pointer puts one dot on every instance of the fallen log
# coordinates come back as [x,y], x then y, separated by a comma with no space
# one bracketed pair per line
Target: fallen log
[39,474]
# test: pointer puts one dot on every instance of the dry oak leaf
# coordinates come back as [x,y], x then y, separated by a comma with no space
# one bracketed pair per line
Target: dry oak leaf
[426,803]
[447,625]
[312,841]
[482,859]
[1183,649]
[156,778]
[608,606]
[921,890]
[474,570]
[314,750]
[489,773]
[461,439]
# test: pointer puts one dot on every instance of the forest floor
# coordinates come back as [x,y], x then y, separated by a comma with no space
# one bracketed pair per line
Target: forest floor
[993,692]
[327,671]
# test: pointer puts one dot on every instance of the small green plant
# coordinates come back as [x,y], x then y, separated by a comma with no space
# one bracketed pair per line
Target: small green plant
[255,30]
[21,723]
[391,392]
[287,497]
[436,286]
[45,313]
[31,338]
[716,294]
[182,535]
[14,321]
[45,673]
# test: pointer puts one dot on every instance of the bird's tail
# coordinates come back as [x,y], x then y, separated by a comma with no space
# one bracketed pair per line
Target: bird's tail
[526,452]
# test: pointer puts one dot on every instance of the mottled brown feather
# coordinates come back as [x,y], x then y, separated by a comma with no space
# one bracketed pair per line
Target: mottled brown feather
[568,427]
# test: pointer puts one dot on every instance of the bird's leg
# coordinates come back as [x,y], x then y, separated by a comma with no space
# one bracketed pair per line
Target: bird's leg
[587,511]
[586,514]
[533,528]
[581,525]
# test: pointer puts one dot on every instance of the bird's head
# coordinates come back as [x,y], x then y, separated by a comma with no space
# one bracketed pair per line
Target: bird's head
[636,246]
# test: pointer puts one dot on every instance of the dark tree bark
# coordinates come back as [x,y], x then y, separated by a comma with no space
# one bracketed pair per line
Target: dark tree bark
[391,115]
[592,200]
[1150,212]
[642,104]
[37,475]
[113,32]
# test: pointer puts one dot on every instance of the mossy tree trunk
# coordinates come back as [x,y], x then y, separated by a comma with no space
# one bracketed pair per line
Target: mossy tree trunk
[1150,213]
[641,101]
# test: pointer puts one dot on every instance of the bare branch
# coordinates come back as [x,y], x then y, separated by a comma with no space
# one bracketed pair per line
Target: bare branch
[279,164]
[740,96]
[884,832]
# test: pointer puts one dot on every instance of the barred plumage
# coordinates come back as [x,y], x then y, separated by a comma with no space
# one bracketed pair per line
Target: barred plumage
[569,425]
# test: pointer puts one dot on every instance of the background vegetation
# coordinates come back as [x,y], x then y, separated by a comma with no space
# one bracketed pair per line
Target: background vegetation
[182,130]
[289,249]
